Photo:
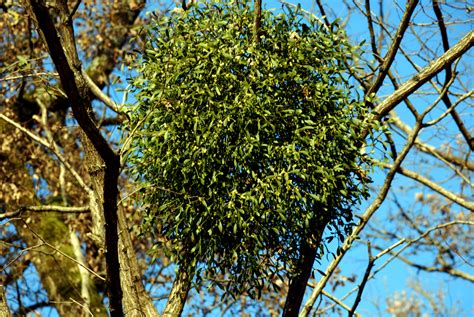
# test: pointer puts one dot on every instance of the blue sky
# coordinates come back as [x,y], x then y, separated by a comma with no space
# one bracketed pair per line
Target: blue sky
[395,276]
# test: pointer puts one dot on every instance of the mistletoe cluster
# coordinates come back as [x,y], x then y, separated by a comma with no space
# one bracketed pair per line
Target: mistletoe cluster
[246,149]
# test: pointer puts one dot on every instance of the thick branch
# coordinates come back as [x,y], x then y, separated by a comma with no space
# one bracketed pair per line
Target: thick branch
[67,69]
[100,95]
[449,74]
[61,46]
[374,206]
[257,19]
[298,283]
[425,75]
[45,208]
[4,310]
[425,181]
[392,52]
[179,291]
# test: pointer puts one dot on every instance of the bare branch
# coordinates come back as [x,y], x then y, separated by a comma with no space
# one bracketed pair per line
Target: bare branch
[51,148]
[449,75]
[49,245]
[424,75]
[446,156]
[396,254]
[100,95]
[340,303]
[370,23]
[62,48]
[469,205]
[450,110]
[392,51]
[362,284]
[46,208]
[374,206]
[445,269]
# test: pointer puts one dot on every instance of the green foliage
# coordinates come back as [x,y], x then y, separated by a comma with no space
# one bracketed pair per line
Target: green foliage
[244,149]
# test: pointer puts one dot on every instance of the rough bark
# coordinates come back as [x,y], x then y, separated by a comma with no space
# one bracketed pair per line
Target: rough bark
[179,291]
[425,75]
[4,310]
[257,20]
[136,301]
[303,270]
[298,284]
[123,15]
[61,45]
[59,276]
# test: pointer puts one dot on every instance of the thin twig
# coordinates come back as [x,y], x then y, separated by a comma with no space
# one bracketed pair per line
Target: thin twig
[28,75]
[50,147]
[101,96]
[362,284]
[46,243]
[374,206]
[469,205]
[392,51]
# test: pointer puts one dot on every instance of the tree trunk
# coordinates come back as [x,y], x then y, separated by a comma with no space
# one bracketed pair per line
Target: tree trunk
[4,310]
[59,275]
[136,301]
[299,282]
[179,291]
[62,48]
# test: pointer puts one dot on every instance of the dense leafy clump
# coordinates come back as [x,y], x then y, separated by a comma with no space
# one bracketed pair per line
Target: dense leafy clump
[245,148]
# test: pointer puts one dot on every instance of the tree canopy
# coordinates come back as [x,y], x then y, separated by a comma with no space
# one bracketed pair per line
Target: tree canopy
[214,157]
[246,149]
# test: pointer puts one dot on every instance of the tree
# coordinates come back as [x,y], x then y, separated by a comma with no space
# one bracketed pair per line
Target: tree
[64,202]
[247,149]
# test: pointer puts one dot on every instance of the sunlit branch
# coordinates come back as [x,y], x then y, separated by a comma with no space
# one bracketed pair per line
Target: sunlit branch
[100,95]
[425,75]
[46,208]
[450,109]
[374,206]
[432,185]
[339,302]
[51,148]
[446,156]
[365,278]
[448,75]
[392,51]
[409,242]
[444,269]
